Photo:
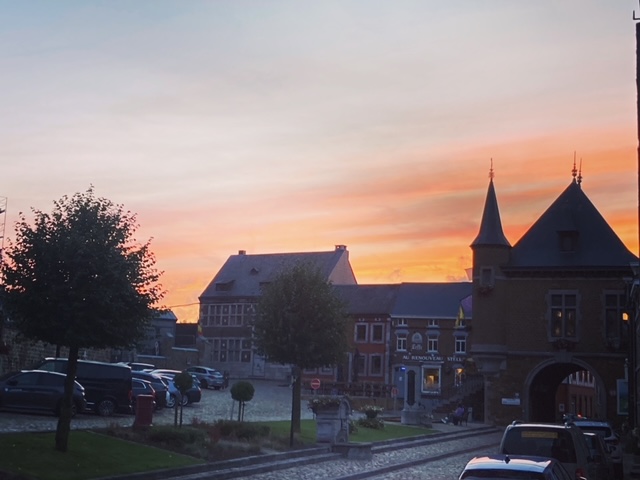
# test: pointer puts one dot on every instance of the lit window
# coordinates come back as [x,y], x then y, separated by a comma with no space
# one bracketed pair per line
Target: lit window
[563,315]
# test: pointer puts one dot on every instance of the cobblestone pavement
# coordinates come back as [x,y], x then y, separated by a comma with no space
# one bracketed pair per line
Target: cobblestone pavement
[271,401]
[445,469]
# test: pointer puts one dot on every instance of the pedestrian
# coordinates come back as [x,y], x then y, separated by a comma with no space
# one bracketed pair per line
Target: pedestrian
[458,414]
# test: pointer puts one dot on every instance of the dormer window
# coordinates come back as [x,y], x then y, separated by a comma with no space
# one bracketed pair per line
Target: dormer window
[224,286]
[568,240]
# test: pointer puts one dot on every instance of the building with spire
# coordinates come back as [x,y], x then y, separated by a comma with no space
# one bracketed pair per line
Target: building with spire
[551,305]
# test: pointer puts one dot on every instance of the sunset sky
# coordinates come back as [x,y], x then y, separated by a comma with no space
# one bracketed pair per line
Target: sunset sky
[293,126]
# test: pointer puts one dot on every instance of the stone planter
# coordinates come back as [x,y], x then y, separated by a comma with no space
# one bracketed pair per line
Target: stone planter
[332,423]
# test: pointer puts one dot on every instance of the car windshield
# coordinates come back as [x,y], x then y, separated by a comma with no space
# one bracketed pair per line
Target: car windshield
[542,442]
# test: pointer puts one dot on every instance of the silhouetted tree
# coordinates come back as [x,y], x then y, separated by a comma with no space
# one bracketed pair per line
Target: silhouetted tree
[301,321]
[77,278]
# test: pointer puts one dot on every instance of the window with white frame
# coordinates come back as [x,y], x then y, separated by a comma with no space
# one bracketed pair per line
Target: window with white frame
[563,314]
[433,323]
[432,343]
[227,314]
[231,350]
[401,322]
[360,363]
[375,365]
[431,379]
[401,343]
[460,344]
[361,332]
[377,333]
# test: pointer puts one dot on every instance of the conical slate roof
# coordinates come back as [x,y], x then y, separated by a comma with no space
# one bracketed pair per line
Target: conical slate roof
[491,227]
[571,233]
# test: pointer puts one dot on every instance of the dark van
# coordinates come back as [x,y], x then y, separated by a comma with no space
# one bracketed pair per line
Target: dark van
[107,386]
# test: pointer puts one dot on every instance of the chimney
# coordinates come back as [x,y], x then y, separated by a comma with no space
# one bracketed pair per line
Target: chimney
[242,252]
[341,247]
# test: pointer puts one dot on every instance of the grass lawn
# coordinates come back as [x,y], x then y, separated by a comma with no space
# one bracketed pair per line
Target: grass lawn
[93,455]
[90,455]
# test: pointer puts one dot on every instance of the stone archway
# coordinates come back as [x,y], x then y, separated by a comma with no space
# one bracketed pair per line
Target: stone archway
[541,384]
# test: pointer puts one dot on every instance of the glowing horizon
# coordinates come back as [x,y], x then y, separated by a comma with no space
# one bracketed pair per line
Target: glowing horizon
[293,126]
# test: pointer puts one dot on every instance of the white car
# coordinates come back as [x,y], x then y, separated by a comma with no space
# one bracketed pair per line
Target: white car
[514,466]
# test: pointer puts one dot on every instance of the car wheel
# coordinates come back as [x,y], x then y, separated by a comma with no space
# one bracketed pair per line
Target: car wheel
[185,400]
[172,401]
[106,408]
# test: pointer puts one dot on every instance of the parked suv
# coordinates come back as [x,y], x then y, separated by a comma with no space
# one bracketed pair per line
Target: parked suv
[565,443]
[37,390]
[208,377]
[107,386]
[611,440]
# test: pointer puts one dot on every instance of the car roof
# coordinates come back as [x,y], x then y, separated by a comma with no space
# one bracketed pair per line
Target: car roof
[589,423]
[509,462]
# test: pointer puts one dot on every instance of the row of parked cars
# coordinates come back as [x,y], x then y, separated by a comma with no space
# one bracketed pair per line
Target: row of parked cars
[578,449]
[102,388]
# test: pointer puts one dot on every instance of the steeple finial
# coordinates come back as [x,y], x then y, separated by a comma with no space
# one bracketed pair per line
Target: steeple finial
[491,174]
[574,172]
[580,172]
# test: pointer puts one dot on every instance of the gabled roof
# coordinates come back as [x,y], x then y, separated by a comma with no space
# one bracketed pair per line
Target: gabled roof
[491,226]
[368,299]
[574,219]
[430,300]
[245,275]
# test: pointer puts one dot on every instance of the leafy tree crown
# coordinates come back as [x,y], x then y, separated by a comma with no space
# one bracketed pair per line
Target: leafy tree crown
[301,320]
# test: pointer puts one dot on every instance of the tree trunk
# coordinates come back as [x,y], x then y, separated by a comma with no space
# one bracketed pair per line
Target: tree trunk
[295,404]
[64,420]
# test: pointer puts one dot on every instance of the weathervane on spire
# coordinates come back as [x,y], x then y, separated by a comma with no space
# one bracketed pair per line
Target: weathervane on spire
[491,174]
[574,171]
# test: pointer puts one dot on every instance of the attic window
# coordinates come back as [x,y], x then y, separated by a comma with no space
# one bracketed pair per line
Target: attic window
[224,286]
[254,271]
[568,241]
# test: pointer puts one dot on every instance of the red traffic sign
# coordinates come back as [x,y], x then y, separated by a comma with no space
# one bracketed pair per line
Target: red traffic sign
[315,383]
[394,392]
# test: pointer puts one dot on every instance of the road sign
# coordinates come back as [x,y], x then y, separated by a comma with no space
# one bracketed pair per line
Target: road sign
[394,392]
[315,383]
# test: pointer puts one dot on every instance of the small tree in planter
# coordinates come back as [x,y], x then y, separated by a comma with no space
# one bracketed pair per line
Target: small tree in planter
[183,382]
[242,392]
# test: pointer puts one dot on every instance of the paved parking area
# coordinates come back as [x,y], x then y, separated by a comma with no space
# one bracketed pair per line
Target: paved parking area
[271,401]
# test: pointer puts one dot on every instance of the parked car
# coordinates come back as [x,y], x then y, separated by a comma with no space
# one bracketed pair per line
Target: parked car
[565,443]
[142,387]
[193,395]
[208,377]
[515,467]
[107,385]
[611,440]
[135,366]
[159,385]
[600,456]
[38,391]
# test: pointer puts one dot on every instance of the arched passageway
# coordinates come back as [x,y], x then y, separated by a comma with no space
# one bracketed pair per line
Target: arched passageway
[543,384]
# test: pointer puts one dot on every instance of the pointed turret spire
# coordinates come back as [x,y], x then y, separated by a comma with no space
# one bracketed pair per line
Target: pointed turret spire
[491,227]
